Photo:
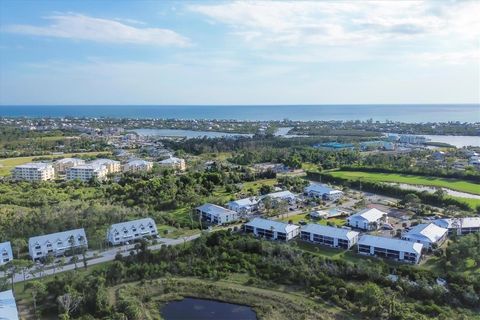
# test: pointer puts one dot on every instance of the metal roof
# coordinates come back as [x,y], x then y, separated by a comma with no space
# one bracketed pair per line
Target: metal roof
[281,194]
[215,210]
[430,231]
[8,306]
[127,224]
[245,202]
[320,188]
[272,225]
[454,223]
[52,237]
[328,231]
[391,244]
[370,215]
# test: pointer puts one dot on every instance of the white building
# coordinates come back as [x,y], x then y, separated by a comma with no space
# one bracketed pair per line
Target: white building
[368,219]
[6,254]
[215,214]
[137,166]
[329,236]
[460,226]
[426,234]
[321,191]
[57,244]
[390,248]
[270,229]
[8,306]
[244,206]
[412,139]
[62,165]
[282,196]
[86,172]
[129,231]
[34,171]
[111,165]
[174,163]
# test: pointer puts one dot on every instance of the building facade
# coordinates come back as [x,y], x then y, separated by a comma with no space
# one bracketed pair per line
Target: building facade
[57,244]
[214,214]
[62,165]
[459,226]
[427,234]
[244,206]
[323,192]
[273,230]
[137,166]
[112,166]
[174,163]
[389,248]
[34,171]
[329,236]
[6,254]
[367,219]
[87,172]
[129,231]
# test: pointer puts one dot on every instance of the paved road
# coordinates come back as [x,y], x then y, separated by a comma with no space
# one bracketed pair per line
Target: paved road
[96,257]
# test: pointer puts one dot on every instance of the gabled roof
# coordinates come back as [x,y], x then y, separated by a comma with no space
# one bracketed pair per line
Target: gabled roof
[52,237]
[215,210]
[272,225]
[67,160]
[391,244]
[455,223]
[8,306]
[328,231]
[320,188]
[371,215]
[281,194]
[129,224]
[246,202]
[138,162]
[429,231]
[7,247]
[36,165]
[104,161]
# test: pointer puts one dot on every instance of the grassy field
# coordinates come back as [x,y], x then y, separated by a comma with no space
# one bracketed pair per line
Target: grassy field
[454,184]
[305,216]
[7,164]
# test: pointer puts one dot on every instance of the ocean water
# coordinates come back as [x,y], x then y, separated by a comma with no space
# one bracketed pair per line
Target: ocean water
[405,113]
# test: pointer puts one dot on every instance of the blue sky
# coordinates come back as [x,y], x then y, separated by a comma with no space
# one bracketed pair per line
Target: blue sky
[239,52]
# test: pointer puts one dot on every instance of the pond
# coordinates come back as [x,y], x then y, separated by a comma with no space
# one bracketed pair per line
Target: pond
[433,189]
[202,309]
[189,134]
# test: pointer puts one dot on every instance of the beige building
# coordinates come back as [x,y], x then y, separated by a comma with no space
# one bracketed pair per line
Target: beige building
[175,163]
[62,165]
[111,165]
[87,171]
[34,171]
[137,166]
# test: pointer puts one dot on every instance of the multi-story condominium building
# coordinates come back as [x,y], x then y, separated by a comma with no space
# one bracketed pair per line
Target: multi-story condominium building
[321,191]
[111,165]
[459,226]
[86,172]
[329,236]
[282,196]
[129,231]
[244,206]
[137,166]
[57,244]
[427,234]
[34,171]
[270,229]
[62,165]
[395,249]
[216,215]
[367,219]
[174,163]
[6,254]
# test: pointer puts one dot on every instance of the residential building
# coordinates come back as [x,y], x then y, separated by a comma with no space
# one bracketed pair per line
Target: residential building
[329,236]
[368,219]
[427,234]
[8,306]
[325,214]
[215,214]
[174,163]
[111,165]
[57,244]
[129,231]
[459,226]
[62,165]
[390,248]
[244,206]
[438,155]
[315,190]
[282,196]
[6,254]
[412,139]
[270,229]
[34,171]
[87,172]
[137,166]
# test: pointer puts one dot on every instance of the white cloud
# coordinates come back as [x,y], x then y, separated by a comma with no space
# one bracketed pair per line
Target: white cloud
[81,27]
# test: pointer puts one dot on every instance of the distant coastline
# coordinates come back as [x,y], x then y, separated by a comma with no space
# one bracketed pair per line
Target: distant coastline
[411,113]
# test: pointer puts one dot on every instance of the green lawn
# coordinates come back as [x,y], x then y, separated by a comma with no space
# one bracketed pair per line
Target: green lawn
[305,216]
[255,185]
[453,184]
[7,164]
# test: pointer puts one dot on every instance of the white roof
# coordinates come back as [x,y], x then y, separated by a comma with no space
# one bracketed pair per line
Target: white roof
[8,306]
[7,247]
[281,194]
[272,224]
[37,165]
[66,160]
[371,215]
[333,232]
[127,224]
[391,244]
[215,210]
[103,161]
[430,231]
[171,160]
[245,202]
[320,188]
[138,162]
[57,235]
[93,166]
[469,222]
